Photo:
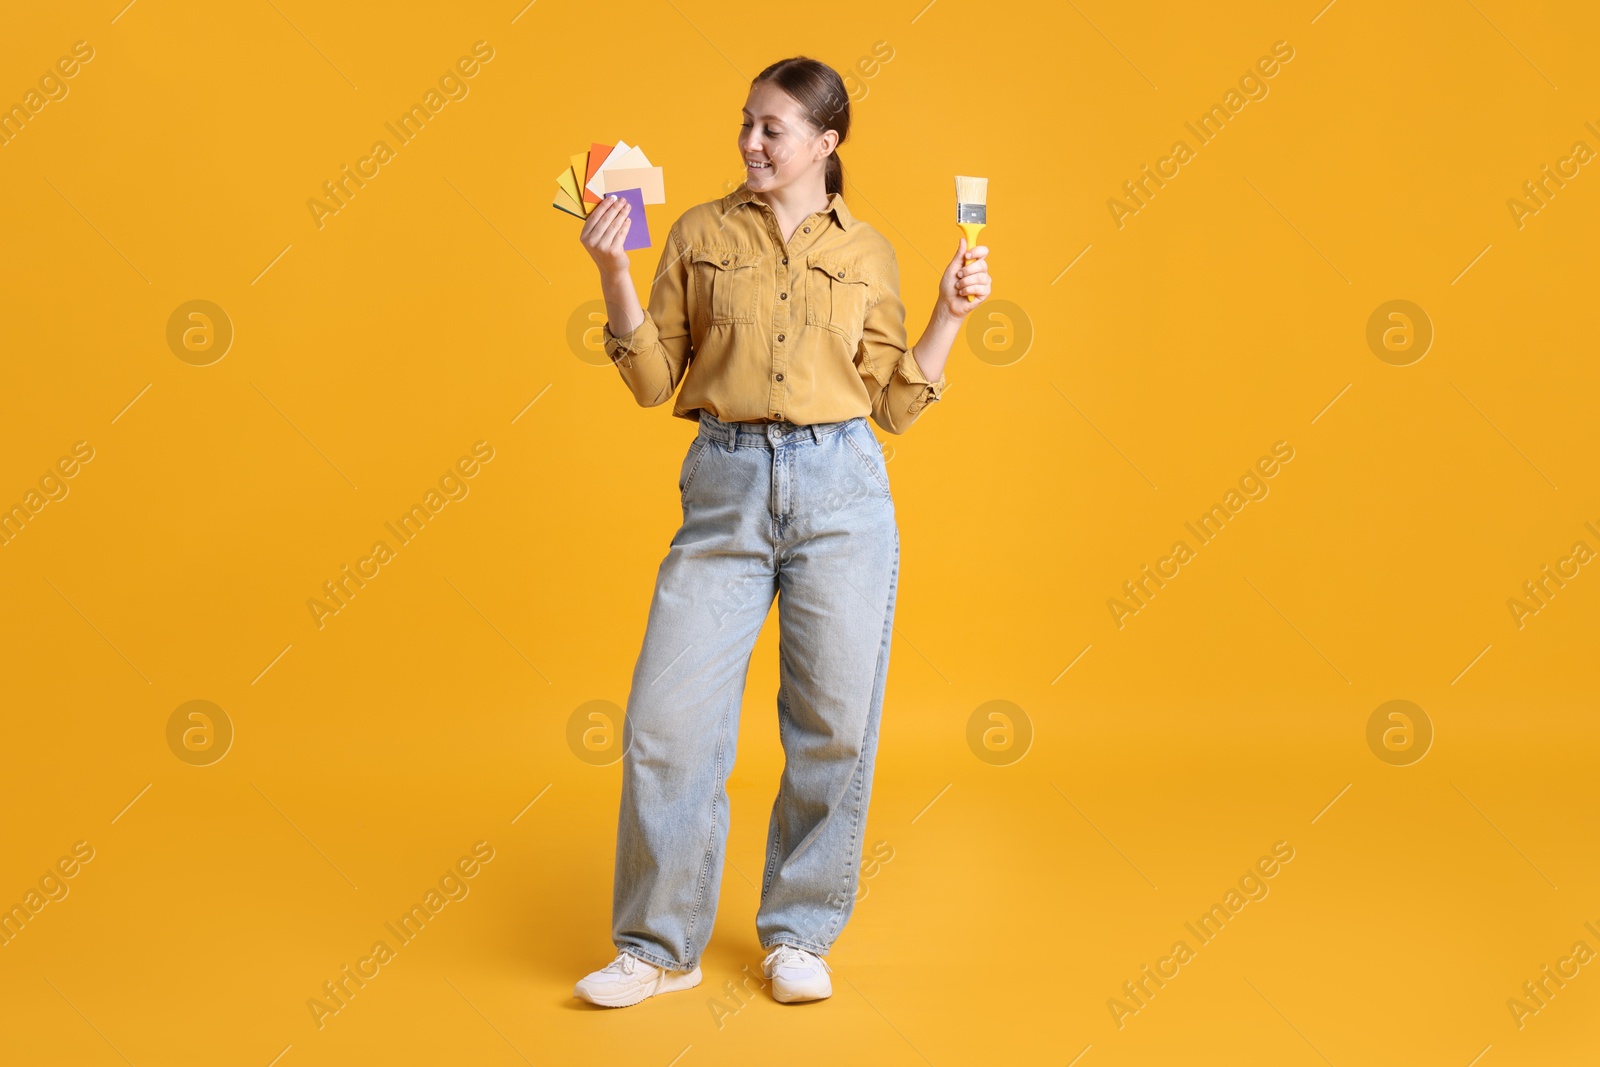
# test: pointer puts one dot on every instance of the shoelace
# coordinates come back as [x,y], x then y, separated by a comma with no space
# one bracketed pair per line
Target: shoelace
[789,954]
[623,964]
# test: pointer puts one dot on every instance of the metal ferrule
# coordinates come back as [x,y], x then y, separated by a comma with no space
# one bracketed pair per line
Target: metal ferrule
[971,213]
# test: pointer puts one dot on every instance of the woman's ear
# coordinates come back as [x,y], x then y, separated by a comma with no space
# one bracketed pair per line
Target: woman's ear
[827,141]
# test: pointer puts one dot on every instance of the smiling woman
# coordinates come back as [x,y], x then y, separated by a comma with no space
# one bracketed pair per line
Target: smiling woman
[778,312]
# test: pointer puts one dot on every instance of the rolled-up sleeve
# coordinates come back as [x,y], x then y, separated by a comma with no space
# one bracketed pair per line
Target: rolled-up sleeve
[653,356]
[889,369]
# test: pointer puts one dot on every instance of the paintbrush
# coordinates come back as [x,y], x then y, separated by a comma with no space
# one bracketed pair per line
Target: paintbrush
[972,196]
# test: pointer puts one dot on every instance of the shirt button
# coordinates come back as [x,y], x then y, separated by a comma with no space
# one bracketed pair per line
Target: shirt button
[785,261]
[724,263]
[780,337]
[841,274]
[780,377]
[783,296]
[808,229]
[778,415]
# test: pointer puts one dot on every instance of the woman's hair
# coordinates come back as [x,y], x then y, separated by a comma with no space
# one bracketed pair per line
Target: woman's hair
[823,99]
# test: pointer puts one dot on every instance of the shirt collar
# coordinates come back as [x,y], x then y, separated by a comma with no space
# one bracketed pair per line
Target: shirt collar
[836,204]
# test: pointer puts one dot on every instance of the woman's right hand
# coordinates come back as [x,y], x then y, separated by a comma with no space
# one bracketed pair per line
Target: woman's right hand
[603,233]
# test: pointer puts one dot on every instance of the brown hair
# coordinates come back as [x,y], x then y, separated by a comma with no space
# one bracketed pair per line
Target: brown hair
[821,94]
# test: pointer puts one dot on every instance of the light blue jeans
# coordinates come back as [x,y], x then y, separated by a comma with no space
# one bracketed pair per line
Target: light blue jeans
[803,513]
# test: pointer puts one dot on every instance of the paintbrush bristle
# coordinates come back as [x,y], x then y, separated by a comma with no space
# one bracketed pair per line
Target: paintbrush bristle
[971,190]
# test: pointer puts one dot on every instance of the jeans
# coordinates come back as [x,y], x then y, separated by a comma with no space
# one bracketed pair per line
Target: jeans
[804,513]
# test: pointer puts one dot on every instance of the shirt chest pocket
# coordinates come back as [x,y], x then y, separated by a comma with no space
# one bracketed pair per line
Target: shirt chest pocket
[725,280]
[836,295]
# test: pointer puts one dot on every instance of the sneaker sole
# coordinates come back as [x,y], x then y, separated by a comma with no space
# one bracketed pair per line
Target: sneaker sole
[799,997]
[670,985]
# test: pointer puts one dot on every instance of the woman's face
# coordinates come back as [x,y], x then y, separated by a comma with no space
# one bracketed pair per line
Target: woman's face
[777,144]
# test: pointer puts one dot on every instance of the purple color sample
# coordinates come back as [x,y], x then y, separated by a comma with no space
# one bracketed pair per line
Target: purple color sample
[638,229]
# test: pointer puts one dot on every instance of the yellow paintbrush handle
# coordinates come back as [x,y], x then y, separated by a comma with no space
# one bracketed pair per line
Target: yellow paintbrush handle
[971,229]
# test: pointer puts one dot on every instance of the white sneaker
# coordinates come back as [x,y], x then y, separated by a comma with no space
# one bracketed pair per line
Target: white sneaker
[797,975]
[628,980]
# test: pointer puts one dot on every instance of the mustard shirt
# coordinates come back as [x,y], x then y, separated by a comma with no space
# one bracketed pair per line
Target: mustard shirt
[757,330]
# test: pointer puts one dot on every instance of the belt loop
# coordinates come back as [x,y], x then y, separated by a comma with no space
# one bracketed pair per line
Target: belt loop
[733,435]
[816,434]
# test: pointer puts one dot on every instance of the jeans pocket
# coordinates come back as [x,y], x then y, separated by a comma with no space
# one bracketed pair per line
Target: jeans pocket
[868,452]
[691,464]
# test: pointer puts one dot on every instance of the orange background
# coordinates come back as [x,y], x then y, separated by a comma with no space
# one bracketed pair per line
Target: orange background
[1034,863]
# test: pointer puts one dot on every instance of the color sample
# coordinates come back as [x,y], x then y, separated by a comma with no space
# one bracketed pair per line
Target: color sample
[597,155]
[638,229]
[650,180]
[619,169]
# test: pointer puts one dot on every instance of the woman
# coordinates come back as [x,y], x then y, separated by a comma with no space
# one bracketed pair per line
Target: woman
[779,313]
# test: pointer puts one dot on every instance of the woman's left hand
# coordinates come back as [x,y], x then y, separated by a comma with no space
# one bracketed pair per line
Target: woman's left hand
[964,276]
